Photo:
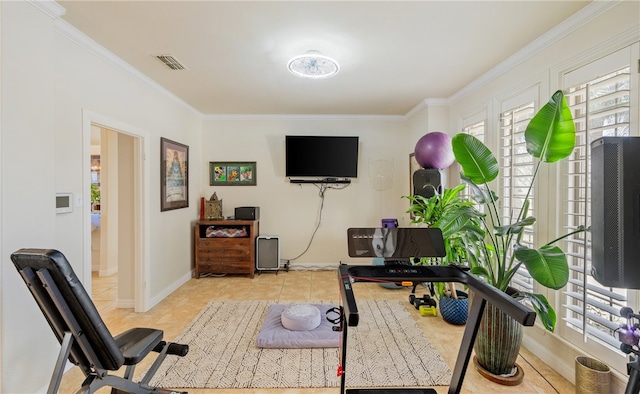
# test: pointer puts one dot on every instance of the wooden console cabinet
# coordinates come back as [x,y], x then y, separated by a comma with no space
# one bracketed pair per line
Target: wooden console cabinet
[225,254]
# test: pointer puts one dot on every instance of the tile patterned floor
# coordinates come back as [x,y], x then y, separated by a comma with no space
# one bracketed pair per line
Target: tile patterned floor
[175,312]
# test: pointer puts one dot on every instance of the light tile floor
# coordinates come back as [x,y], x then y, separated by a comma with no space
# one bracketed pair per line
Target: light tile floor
[175,312]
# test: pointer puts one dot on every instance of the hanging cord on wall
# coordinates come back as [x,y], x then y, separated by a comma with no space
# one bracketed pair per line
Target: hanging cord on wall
[322,188]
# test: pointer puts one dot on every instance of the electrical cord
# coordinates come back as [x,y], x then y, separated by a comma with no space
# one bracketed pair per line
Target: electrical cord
[301,267]
[322,188]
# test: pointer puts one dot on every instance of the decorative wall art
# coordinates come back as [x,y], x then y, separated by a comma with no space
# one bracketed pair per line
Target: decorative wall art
[232,173]
[174,175]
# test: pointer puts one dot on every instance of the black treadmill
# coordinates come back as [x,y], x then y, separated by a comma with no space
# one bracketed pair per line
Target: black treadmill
[398,246]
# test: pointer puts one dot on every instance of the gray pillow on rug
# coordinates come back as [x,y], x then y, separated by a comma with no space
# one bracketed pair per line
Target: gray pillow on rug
[301,317]
[274,336]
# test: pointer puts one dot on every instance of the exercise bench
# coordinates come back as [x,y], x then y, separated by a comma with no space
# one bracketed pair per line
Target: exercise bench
[84,338]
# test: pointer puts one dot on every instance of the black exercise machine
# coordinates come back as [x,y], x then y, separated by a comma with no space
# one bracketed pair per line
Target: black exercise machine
[629,336]
[85,339]
[397,243]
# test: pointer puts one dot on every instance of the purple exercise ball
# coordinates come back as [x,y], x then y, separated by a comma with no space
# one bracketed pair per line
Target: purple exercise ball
[434,150]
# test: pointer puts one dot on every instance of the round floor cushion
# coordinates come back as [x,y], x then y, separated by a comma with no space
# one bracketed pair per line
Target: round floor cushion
[300,317]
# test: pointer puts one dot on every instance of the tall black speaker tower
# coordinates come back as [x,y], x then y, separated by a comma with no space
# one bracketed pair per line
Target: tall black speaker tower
[615,211]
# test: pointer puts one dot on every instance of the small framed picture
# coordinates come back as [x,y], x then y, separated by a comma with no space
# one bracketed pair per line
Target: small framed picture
[174,175]
[232,173]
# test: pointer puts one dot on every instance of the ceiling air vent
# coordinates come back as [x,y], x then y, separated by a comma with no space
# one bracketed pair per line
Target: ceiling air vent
[171,62]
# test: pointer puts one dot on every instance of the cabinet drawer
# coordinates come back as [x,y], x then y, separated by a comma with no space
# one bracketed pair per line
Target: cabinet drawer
[223,254]
[231,267]
[225,242]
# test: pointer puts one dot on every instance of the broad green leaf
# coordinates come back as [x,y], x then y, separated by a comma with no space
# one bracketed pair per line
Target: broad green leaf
[514,228]
[450,196]
[456,219]
[543,309]
[480,194]
[477,162]
[547,265]
[480,271]
[551,133]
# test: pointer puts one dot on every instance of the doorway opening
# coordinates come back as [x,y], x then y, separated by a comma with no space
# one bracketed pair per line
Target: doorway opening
[115,252]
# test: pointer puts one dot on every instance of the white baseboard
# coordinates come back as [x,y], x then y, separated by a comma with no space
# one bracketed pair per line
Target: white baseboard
[108,272]
[560,356]
[294,266]
[127,303]
[169,289]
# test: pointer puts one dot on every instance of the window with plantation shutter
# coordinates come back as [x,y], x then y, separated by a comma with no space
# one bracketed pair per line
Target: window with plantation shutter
[476,129]
[600,107]
[516,169]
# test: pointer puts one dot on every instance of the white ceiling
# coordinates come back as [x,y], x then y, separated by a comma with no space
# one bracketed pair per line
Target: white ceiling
[392,54]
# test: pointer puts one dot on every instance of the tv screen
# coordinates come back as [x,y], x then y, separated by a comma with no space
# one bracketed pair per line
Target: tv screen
[321,156]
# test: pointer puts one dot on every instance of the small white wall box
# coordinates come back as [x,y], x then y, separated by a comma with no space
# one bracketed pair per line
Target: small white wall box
[267,253]
[64,202]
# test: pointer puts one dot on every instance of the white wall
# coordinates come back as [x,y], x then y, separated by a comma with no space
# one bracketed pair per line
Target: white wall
[428,117]
[49,77]
[28,188]
[291,211]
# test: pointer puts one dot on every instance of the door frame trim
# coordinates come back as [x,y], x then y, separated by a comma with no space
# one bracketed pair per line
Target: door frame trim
[142,219]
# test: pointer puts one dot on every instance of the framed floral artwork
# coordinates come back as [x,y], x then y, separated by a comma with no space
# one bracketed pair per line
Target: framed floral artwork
[232,173]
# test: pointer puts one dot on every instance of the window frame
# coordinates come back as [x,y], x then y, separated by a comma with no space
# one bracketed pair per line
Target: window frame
[569,79]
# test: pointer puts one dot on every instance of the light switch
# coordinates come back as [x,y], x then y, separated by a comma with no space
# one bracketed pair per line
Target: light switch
[78,199]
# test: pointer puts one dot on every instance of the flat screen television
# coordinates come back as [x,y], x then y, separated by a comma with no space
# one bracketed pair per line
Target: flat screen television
[321,156]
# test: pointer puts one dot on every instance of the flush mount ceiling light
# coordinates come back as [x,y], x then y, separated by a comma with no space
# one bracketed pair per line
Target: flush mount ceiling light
[313,65]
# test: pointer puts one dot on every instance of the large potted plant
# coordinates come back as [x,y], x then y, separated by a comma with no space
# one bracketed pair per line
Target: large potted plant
[495,251]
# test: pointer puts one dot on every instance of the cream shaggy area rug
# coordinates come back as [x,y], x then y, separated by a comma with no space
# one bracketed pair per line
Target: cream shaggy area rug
[387,349]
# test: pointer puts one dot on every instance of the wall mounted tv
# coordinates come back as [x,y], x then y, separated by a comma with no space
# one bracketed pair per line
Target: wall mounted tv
[321,156]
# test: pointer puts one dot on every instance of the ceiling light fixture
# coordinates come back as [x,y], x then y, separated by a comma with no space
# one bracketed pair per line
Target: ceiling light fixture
[313,65]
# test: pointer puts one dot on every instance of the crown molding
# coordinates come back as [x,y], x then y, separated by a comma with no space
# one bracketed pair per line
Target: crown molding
[91,46]
[574,22]
[277,117]
[415,110]
[49,7]
[432,102]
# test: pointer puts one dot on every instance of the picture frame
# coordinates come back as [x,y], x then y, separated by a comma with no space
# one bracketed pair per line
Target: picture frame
[174,175]
[233,173]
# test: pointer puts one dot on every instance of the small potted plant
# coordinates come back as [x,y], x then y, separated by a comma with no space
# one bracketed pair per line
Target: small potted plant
[430,212]
[95,197]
